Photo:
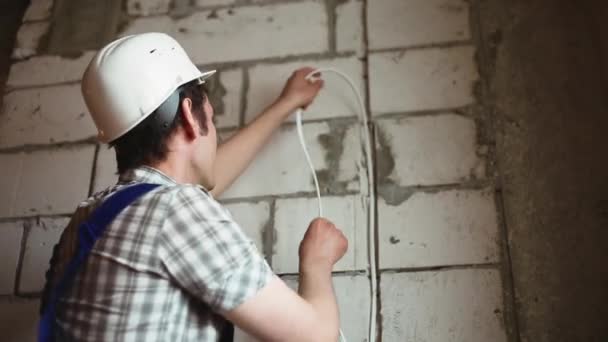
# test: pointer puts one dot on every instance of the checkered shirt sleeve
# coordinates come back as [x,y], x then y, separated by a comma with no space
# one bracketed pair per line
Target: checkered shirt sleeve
[207,253]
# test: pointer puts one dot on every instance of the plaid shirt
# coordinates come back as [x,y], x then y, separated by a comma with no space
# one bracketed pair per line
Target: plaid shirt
[162,271]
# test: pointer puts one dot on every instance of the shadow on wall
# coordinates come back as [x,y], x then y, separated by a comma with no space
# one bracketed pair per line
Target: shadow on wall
[19,320]
[11,13]
[19,317]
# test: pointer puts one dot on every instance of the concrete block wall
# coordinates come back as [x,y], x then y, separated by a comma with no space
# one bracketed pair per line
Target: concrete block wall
[440,251]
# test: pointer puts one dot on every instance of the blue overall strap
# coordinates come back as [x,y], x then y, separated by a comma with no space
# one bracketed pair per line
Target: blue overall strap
[88,232]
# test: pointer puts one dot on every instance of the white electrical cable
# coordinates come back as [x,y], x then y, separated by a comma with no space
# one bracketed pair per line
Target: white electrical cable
[370,183]
[305,149]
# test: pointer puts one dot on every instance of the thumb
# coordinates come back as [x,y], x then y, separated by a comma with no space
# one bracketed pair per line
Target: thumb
[320,83]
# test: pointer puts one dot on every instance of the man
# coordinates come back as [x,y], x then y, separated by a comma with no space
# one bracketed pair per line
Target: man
[174,265]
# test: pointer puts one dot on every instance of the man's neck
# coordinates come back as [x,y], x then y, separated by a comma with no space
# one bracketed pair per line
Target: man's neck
[179,171]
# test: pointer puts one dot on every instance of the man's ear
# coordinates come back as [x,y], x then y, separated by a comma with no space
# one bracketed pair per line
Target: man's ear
[189,122]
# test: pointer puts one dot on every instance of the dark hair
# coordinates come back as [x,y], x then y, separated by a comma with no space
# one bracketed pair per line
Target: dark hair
[147,142]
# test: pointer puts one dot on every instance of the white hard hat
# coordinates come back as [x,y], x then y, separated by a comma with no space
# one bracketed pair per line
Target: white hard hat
[132,77]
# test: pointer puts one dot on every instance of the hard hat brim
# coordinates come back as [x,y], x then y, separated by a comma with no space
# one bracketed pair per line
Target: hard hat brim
[205,75]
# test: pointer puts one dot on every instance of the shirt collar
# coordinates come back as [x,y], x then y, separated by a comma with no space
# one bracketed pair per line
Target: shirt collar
[148,174]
